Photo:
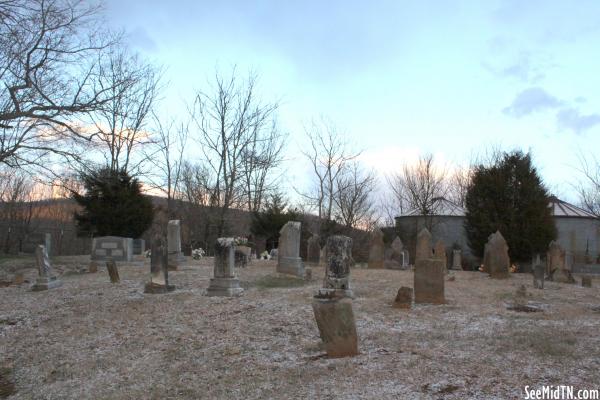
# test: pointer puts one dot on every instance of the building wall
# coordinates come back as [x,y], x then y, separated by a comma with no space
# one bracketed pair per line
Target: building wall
[578,234]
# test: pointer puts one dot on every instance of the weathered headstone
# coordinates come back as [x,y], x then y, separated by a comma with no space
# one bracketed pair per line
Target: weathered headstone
[497,257]
[113,271]
[337,327]
[405,258]
[376,250]
[439,252]
[46,279]
[429,281]
[159,270]
[175,257]
[313,251]
[423,250]
[93,267]
[586,281]
[273,254]
[337,271]
[403,298]
[323,257]
[456,259]
[243,256]
[224,283]
[139,247]
[114,248]
[395,254]
[538,276]
[19,278]
[288,250]
[48,243]
[556,264]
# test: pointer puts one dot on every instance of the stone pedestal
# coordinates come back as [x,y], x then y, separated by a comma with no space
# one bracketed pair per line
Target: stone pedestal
[377,250]
[337,270]
[403,298]
[159,271]
[429,281]
[337,327]
[46,279]
[288,250]
[224,283]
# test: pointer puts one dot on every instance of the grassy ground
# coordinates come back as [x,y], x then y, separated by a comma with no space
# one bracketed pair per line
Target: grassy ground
[90,339]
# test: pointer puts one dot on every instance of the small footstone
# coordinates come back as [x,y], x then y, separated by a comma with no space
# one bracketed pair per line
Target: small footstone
[586,281]
[93,268]
[113,272]
[403,298]
[335,320]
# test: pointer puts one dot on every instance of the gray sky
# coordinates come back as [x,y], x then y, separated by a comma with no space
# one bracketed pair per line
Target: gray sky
[401,78]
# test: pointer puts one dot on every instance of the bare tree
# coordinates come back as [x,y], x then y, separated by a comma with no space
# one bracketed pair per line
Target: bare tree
[355,207]
[227,121]
[48,65]
[121,122]
[418,186]
[328,155]
[588,185]
[458,185]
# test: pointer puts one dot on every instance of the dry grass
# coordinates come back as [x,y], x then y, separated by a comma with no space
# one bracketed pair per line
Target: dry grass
[90,339]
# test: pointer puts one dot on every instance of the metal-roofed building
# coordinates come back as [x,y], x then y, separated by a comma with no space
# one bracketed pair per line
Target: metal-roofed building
[578,230]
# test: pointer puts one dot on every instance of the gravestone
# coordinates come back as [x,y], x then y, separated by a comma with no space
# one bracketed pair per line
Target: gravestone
[48,243]
[313,251]
[224,283]
[93,267]
[456,259]
[336,324]
[19,278]
[46,279]
[159,268]
[439,252]
[323,257]
[498,262]
[337,270]
[175,256]
[423,250]
[556,264]
[242,256]
[113,271]
[538,276]
[376,250]
[288,250]
[139,247]
[403,298]
[405,258]
[395,255]
[273,253]
[586,281]
[429,281]
[113,248]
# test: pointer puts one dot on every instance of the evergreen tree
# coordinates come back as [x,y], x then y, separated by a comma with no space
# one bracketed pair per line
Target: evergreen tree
[113,205]
[509,196]
[267,224]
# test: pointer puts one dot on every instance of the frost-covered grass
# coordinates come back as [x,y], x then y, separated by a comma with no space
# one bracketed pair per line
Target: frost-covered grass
[91,339]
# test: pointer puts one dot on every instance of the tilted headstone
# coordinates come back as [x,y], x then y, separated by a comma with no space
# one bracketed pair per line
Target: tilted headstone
[497,257]
[337,271]
[395,255]
[556,264]
[376,250]
[114,248]
[456,259]
[429,281]
[46,279]
[313,251]
[439,252]
[288,250]
[337,327]
[224,283]
[159,269]
[423,250]
[175,257]
[538,276]
[113,271]
[403,298]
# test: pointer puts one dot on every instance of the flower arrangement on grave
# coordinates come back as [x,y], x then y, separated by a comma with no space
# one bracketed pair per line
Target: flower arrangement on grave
[147,253]
[241,241]
[198,253]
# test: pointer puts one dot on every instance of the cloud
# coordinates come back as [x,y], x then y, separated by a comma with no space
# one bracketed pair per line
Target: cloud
[572,119]
[140,38]
[530,101]
[523,69]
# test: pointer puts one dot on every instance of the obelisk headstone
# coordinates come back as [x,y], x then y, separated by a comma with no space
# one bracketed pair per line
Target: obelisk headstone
[46,279]
[175,255]
[288,250]
[376,250]
[48,243]
[159,270]
[224,283]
